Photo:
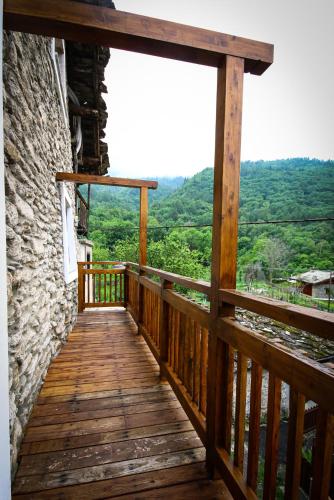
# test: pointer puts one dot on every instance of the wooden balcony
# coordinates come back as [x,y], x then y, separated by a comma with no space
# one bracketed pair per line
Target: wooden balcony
[128,414]
[105,425]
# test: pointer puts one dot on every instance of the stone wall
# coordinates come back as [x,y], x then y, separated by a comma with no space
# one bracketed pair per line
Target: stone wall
[41,307]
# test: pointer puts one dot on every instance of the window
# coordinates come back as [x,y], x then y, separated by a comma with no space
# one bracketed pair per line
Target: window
[70,259]
[59,67]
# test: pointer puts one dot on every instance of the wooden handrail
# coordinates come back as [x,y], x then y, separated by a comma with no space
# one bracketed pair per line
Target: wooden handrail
[317,322]
[307,376]
[104,263]
[192,284]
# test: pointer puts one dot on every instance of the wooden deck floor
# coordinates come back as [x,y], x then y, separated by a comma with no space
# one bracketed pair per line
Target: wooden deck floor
[104,426]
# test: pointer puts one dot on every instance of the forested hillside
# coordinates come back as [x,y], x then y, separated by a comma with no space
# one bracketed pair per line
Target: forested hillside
[276,190]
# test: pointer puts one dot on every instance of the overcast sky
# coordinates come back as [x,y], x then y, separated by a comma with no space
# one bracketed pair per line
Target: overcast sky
[162,112]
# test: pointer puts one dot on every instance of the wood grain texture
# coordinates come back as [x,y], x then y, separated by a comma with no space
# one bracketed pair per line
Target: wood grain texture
[104,425]
[122,30]
[317,322]
[104,180]
[224,236]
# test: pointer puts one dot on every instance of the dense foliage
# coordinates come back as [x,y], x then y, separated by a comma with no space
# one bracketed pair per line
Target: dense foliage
[269,190]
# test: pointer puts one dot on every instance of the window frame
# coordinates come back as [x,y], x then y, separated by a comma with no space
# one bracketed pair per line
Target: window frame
[69,240]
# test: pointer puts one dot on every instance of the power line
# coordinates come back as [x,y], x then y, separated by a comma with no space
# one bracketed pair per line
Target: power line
[242,223]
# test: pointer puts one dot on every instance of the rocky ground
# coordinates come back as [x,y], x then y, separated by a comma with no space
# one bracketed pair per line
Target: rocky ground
[298,340]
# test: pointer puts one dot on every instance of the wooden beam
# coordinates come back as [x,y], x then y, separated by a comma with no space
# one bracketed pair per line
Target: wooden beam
[83,111]
[105,180]
[224,248]
[143,226]
[121,30]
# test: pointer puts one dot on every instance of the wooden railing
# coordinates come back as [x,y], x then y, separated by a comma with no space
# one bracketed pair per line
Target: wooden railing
[82,212]
[257,390]
[100,284]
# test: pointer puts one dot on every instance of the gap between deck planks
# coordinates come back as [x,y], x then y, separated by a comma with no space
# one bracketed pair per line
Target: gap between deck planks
[105,426]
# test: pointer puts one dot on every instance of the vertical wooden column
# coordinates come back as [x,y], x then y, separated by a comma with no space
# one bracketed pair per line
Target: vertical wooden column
[81,288]
[224,249]
[143,216]
[143,226]
[163,326]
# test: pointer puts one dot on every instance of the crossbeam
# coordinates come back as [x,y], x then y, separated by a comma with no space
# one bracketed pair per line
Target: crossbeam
[121,30]
[105,180]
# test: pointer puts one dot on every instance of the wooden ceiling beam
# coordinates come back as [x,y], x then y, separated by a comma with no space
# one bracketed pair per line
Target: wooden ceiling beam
[121,30]
[105,180]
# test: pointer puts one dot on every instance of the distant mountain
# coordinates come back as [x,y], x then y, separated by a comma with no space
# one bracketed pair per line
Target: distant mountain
[281,189]
[297,188]
[129,198]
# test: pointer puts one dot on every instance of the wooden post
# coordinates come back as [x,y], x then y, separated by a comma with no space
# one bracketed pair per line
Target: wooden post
[163,325]
[224,249]
[143,226]
[81,288]
[126,285]
[143,215]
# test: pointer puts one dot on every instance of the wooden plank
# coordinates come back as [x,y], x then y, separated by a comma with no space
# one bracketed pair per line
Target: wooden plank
[104,180]
[27,484]
[44,463]
[224,223]
[157,394]
[272,437]
[294,444]
[67,443]
[143,217]
[198,285]
[323,456]
[122,30]
[197,489]
[304,375]
[317,322]
[122,485]
[93,414]
[254,426]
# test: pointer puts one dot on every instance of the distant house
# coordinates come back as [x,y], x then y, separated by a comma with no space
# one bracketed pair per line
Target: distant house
[317,284]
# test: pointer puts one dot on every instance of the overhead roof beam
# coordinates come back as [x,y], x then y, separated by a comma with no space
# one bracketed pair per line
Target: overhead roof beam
[105,180]
[121,30]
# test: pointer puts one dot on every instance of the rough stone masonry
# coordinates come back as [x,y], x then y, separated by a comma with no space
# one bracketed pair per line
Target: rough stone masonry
[41,307]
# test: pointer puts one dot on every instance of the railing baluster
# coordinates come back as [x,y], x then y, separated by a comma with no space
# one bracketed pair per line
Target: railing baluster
[240,411]
[272,437]
[224,381]
[121,278]
[322,457]
[197,364]
[204,365]
[254,425]
[294,445]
